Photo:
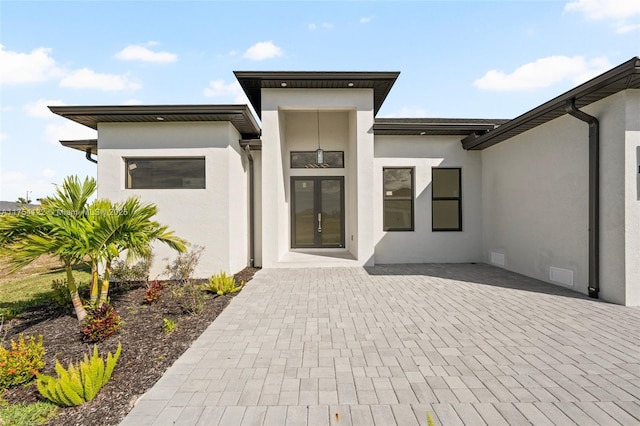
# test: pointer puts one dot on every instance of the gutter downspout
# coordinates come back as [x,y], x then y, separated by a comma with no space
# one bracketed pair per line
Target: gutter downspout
[88,156]
[251,209]
[594,194]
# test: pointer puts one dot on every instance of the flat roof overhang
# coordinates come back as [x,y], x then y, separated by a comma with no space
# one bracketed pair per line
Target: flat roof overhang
[622,77]
[238,115]
[83,145]
[252,82]
[433,126]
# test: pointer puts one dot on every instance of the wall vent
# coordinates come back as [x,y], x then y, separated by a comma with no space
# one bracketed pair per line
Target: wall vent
[561,276]
[497,259]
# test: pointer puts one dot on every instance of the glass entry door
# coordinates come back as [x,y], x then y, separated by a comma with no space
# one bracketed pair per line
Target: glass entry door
[317,211]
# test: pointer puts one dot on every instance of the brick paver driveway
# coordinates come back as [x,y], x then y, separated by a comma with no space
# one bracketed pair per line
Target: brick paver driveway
[470,344]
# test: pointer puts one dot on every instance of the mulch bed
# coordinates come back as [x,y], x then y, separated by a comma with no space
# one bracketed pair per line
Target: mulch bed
[147,351]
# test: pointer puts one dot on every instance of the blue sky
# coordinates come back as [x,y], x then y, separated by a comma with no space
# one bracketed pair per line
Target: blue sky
[472,59]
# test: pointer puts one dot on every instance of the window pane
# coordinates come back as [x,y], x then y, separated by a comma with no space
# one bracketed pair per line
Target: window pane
[446,214]
[307,160]
[398,215]
[398,183]
[305,221]
[446,183]
[165,173]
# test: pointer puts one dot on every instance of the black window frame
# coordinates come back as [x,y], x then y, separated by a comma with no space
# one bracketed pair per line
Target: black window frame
[127,183]
[458,199]
[328,166]
[412,198]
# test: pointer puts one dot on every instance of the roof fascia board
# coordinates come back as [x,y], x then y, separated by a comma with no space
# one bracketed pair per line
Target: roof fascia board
[625,70]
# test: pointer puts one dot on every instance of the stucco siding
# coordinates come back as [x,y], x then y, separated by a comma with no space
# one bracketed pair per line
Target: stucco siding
[423,245]
[289,120]
[535,204]
[200,216]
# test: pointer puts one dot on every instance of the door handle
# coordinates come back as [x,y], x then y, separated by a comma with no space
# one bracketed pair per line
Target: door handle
[319,222]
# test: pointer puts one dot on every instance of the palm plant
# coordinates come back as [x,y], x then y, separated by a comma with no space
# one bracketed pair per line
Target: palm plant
[56,228]
[75,231]
[125,227]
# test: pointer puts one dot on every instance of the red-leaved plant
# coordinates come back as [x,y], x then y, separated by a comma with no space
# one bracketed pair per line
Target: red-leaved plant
[101,322]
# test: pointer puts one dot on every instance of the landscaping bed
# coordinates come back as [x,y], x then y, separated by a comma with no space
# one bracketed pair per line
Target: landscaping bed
[147,349]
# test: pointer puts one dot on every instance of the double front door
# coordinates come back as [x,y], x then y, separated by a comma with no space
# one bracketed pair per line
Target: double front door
[317,211]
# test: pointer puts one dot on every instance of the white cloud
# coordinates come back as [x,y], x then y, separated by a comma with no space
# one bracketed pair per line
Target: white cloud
[312,26]
[262,50]
[68,130]
[142,53]
[366,19]
[617,11]
[231,92]
[544,72]
[39,108]
[409,112]
[86,78]
[4,136]
[48,173]
[32,67]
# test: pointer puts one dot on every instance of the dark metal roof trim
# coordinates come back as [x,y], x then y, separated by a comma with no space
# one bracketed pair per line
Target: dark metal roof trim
[83,145]
[433,126]
[253,81]
[253,144]
[622,77]
[238,115]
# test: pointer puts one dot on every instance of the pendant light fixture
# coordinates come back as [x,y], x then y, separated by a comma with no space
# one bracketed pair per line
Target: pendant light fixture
[319,151]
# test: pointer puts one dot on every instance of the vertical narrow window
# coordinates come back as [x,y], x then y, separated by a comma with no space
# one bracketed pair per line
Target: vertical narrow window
[446,199]
[398,196]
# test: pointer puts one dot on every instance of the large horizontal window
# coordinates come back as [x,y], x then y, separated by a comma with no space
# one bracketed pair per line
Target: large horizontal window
[398,199]
[309,160]
[165,173]
[446,199]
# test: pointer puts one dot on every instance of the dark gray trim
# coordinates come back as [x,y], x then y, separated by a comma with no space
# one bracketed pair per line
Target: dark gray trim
[594,195]
[252,82]
[622,77]
[433,126]
[82,145]
[252,213]
[239,115]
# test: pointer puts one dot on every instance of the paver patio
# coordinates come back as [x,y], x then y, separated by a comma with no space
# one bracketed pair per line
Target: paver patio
[470,344]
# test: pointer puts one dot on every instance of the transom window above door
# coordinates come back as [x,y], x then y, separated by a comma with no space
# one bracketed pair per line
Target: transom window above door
[309,160]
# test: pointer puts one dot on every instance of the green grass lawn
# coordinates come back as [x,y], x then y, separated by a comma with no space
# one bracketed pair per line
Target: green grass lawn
[19,293]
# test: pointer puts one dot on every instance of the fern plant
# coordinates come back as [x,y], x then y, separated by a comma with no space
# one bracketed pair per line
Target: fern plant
[78,384]
[222,284]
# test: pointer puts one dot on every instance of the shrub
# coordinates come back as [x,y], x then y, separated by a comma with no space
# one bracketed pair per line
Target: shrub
[182,268]
[24,414]
[122,271]
[61,293]
[21,362]
[78,384]
[101,322]
[222,284]
[190,298]
[154,289]
[168,325]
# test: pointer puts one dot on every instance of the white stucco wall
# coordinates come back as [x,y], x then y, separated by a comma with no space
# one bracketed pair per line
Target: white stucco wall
[632,197]
[422,244]
[535,199]
[287,118]
[205,217]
